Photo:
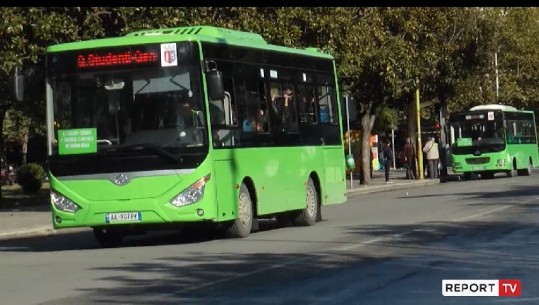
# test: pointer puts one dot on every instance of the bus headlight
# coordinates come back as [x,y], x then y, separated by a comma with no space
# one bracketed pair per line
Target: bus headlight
[63,203]
[501,161]
[192,194]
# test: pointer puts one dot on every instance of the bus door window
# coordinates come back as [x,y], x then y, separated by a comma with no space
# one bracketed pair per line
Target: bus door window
[223,116]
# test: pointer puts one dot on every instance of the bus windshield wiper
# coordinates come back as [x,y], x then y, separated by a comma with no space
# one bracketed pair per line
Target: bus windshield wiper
[152,148]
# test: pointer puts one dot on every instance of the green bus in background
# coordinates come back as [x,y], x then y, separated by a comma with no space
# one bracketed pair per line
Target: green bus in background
[491,139]
[189,125]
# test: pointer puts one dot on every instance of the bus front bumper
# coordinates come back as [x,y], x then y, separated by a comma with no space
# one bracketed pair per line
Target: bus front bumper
[460,166]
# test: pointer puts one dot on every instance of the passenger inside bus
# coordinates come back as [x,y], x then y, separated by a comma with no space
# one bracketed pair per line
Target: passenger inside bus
[284,109]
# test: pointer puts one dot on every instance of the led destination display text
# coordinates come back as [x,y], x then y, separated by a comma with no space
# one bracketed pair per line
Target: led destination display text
[93,60]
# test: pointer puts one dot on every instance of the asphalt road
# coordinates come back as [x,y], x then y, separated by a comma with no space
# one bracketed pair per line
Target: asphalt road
[383,248]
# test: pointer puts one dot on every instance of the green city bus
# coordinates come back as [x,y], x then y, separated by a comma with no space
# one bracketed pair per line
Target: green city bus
[191,125]
[492,139]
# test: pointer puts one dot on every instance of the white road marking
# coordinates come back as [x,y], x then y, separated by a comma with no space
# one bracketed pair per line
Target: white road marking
[484,213]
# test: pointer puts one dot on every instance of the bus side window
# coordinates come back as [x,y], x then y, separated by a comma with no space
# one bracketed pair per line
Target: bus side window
[275,105]
[307,108]
[327,106]
[284,107]
[291,114]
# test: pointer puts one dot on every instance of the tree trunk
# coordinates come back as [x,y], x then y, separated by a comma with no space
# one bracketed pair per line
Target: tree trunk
[412,124]
[2,146]
[3,110]
[367,120]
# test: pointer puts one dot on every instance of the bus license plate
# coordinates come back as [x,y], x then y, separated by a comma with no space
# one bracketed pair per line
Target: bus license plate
[125,216]
[478,168]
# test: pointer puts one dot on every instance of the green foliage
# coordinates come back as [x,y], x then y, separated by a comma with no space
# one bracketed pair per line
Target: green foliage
[386,119]
[382,54]
[30,177]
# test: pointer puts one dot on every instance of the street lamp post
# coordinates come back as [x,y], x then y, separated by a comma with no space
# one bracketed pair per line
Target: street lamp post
[419,145]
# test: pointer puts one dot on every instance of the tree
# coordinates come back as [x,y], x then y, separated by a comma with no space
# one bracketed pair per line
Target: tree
[380,53]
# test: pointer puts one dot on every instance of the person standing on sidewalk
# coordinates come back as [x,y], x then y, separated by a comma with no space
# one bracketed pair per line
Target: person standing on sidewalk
[409,159]
[388,159]
[433,155]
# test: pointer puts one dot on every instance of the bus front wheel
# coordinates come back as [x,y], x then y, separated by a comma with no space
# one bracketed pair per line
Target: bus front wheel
[242,225]
[487,175]
[513,172]
[308,216]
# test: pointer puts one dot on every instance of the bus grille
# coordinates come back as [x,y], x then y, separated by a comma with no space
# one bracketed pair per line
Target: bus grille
[482,160]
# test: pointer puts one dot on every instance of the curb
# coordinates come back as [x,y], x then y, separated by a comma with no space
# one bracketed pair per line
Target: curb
[27,233]
[389,187]
[36,232]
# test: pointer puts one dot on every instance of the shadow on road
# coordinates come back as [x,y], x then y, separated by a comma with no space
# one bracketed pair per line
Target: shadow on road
[85,240]
[372,273]
[374,264]
[514,193]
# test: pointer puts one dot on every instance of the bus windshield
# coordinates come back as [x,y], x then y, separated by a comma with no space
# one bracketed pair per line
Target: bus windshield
[154,106]
[482,132]
[487,136]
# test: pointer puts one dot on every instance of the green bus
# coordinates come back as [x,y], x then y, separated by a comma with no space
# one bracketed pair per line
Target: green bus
[492,139]
[191,125]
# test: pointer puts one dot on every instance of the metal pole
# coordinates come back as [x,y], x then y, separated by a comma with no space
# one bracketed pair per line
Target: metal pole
[349,141]
[419,145]
[497,81]
[393,147]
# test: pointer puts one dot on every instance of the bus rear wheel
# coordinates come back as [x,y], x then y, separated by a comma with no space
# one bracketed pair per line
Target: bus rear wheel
[108,237]
[308,216]
[527,171]
[242,225]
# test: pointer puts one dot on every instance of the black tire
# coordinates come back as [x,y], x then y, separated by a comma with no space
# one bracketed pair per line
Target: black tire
[513,172]
[285,219]
[527,171]
[309,215]
[487,175]
[242,225]
[108,238]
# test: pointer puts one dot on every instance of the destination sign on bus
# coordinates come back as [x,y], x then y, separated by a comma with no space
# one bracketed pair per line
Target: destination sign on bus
[474,116]
[92,60]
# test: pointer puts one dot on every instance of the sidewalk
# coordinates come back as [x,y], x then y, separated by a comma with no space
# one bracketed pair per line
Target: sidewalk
[378,184]
[31,221]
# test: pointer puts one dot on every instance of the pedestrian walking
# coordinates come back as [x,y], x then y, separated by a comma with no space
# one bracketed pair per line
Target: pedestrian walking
[409,159]
[388,159]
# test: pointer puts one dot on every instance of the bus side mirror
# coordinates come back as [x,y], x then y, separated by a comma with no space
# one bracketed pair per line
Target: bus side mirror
[214,79]
[17,85]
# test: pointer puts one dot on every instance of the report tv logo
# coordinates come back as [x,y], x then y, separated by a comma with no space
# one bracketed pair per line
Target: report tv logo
[481,288]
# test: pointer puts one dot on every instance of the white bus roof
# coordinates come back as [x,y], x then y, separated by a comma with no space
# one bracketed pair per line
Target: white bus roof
[494,107]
